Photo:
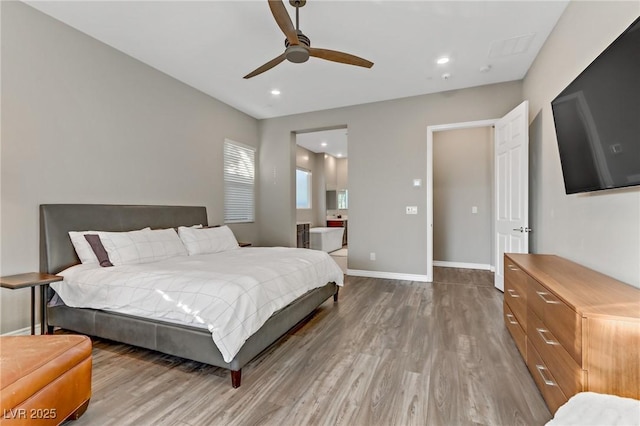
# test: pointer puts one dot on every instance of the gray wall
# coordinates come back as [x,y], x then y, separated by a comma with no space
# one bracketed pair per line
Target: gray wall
[463,178]
[342,173]
[84,123]
[600,230]
[387,150]
[314,163]
[331,172]
[336,175]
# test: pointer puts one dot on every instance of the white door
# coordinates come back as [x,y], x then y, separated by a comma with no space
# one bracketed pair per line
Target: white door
[512,187]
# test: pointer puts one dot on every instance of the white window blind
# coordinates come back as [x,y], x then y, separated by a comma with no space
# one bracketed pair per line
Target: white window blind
[239,177]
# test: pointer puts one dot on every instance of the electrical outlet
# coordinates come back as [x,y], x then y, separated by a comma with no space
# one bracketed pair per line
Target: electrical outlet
[372,256]
[474,209]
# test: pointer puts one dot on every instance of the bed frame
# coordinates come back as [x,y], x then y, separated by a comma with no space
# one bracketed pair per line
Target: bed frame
[57,253]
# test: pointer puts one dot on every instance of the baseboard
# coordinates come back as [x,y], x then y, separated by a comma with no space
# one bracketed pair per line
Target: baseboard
[481,266]
[21,332]
[387,275]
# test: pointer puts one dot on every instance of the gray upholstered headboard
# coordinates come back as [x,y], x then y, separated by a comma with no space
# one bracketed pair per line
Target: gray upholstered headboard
[56,220]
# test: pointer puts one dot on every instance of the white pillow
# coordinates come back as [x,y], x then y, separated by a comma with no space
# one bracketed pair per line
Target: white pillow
[128,248]
[83,249]
[208,240]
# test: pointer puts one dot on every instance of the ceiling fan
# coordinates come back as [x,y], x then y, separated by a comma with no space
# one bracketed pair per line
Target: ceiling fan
[298,46]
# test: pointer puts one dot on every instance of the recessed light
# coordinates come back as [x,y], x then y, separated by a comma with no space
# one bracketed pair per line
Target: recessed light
[323,144]
[442,60]
[339,155]
[275,92]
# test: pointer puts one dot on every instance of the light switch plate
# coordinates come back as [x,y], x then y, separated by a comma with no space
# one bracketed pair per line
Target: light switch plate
[412,210]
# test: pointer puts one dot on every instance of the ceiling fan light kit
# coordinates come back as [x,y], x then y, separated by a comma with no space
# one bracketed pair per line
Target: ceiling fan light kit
[298,46]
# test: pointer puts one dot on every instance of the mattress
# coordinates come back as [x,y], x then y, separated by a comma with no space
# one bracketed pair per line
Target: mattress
[231,294]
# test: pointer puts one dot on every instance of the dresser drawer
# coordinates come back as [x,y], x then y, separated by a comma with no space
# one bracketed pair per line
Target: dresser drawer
[558,317]
[551,392]
[515,291]
[568,373]
[515,330]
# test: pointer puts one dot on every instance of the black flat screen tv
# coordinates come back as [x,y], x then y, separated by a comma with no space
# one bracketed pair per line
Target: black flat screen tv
[597,119]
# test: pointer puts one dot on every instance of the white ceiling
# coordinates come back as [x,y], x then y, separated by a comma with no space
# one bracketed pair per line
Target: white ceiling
[335,141]
[211,45]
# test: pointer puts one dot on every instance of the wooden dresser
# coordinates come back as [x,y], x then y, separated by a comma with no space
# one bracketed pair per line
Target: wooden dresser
[577,330]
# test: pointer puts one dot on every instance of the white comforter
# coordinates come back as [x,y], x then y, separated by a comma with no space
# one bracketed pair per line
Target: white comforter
[231,293]
[596,409]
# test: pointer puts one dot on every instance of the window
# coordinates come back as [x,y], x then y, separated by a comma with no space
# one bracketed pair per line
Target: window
[303,189]
[239,176]
[343,200]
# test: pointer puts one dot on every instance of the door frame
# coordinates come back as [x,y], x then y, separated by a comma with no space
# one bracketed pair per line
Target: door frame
[429,185]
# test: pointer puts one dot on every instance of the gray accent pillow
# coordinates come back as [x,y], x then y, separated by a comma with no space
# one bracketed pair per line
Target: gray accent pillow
[98,249]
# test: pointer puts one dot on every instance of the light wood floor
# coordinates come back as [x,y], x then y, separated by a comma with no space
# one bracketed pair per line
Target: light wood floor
[388,353]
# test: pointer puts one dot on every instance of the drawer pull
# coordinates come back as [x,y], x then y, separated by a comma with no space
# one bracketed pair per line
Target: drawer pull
[541,332]
[511,319]
[542,295]
[512,268]
[512,293]
[546,381]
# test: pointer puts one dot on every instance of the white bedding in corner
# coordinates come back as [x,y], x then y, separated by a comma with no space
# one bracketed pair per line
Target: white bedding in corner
[596,409]
[232,293]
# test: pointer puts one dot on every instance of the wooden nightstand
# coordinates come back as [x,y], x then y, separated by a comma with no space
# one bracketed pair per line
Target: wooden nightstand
[32,280]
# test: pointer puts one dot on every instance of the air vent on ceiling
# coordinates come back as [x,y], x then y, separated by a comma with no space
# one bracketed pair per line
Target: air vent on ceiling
[510,46]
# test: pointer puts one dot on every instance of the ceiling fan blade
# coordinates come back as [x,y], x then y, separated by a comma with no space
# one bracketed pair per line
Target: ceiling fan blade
[284,20]
[335,56]
[272,63]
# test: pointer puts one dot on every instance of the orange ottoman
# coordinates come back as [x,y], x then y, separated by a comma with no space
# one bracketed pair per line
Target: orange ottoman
[44,380]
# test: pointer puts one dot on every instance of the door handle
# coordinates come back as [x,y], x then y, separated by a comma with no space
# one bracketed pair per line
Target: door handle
[523,229]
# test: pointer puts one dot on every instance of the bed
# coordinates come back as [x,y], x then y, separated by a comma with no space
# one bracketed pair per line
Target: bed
[590,408]
[167,335]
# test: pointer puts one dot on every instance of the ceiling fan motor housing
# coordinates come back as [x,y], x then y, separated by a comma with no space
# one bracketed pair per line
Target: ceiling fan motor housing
[298,53]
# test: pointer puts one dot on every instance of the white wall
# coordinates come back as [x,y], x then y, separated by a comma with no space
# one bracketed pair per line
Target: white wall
[84,123]
[387,150]
[600,230]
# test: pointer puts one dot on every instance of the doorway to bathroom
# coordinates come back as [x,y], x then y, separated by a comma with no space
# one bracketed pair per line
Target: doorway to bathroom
[322,191]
